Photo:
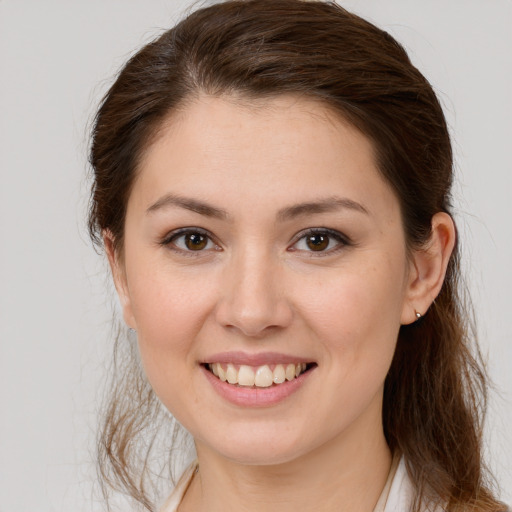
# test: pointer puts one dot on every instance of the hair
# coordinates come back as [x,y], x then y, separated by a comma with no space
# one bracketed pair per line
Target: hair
[435,391]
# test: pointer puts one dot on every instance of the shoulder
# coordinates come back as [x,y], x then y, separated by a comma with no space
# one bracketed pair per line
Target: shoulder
[402,492]
[172,502]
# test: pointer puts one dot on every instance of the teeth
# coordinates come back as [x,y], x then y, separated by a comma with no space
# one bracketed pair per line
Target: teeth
[264,377]
[232,374]
[279,374]
[290,372]
[245,376]
[221,372]
[261,377]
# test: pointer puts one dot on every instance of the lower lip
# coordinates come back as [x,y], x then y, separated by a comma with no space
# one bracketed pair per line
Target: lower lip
[256,397]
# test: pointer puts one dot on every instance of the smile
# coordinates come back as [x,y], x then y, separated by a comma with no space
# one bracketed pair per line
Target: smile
[262,376]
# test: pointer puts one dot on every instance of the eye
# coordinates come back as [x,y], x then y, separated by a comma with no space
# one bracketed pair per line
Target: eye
[189,240]
[320,240]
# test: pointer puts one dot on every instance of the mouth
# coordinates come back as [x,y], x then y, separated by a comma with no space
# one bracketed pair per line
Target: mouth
[263,376]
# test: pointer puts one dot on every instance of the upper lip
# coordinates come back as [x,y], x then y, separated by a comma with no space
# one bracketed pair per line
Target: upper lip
[258,359]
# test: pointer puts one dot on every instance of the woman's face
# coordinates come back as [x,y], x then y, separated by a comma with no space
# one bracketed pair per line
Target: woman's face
[262,236]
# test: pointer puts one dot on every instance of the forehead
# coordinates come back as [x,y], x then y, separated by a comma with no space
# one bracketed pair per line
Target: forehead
[285,147]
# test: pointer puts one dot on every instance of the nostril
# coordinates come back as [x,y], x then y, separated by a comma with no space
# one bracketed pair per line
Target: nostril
[256,323]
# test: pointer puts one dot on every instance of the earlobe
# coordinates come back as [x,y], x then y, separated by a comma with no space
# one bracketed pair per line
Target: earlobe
[119,278]
[428,268]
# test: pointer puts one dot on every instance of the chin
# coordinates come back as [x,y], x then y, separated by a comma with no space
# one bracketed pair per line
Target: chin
[260,450]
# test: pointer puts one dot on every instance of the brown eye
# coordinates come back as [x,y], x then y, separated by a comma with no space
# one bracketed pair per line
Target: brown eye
[195,241]
[317,242]
[322,241]
[189,241]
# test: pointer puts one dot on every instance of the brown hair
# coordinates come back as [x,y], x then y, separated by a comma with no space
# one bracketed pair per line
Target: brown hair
[435,392]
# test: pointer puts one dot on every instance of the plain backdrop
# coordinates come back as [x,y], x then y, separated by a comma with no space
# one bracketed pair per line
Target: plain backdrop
[57,58]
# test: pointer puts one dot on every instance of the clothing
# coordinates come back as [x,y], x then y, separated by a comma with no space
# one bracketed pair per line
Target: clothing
[396,496]
[173,501]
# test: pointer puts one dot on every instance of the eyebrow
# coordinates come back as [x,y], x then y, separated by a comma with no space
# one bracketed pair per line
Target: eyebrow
[194,205]
[328,204]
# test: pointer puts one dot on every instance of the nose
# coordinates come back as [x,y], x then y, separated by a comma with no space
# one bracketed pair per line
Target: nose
[253,298]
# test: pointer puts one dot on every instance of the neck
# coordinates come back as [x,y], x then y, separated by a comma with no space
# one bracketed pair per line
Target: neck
[344,474]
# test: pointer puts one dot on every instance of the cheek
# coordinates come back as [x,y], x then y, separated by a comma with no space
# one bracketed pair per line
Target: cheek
[169,316]
[356,314]
[170,309]
[351,298]
[355,319]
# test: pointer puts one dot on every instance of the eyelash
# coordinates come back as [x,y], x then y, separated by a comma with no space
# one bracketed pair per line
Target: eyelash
[341,240]
[179,233]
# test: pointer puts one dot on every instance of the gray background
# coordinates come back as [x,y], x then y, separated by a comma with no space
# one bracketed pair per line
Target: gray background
[56,60]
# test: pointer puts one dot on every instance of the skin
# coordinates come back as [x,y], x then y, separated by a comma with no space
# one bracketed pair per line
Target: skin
[257,286]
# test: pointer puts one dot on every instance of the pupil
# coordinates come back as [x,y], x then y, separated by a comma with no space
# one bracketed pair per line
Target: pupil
[318,242]
[195,241]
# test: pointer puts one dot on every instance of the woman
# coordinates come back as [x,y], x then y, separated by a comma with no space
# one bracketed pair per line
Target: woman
[272,188]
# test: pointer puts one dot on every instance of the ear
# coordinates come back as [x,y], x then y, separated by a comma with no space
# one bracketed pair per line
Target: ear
[119,277]
[428,268]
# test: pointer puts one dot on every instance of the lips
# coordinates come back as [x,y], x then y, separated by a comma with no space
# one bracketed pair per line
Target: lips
[262,376]
[256,380]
